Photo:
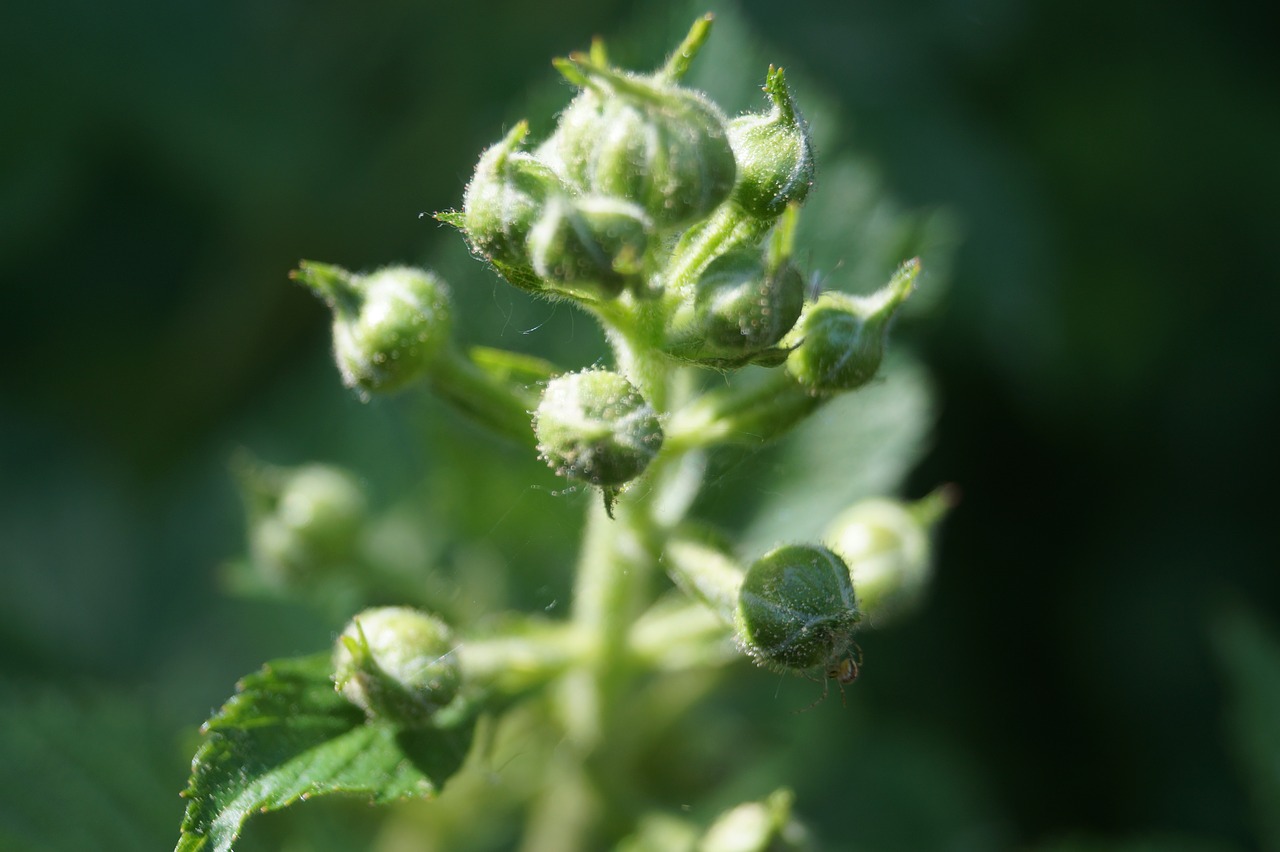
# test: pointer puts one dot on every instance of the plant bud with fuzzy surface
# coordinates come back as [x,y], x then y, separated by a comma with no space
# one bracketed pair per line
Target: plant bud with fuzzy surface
[796,608]
[397,664]
[388,326]
[595,427]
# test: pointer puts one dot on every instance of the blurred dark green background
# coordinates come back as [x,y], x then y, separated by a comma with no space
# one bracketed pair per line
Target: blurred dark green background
[1108,601]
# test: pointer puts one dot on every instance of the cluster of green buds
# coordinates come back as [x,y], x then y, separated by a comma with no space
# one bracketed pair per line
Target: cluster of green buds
[674,226]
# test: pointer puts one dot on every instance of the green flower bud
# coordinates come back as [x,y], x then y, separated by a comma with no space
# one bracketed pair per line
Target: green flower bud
[590,247]
[645,140]
[595,427]
[397,664]
[388,326]
[304,522]
[773,152]
[503,201]
[796,609]
[740,306]
[766,826]
[886,544]
[839,340]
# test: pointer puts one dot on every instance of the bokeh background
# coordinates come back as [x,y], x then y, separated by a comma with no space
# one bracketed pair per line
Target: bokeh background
[1098,665]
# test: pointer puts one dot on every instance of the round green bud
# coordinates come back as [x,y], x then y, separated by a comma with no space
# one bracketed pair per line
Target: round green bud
[645,140]
[839,340]
[886,543]
[306,521]
[774,154]
[502,203]
[796,608]
[595,427]
[397,664]
[388,326]
[740,306]
[590,246]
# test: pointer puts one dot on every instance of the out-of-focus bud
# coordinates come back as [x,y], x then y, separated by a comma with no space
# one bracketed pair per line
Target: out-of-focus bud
[388,326]
[397,664]
[773,153]
[590,247]
[642,139]
[595,427]
[886,543]
[766,826]
[797,609]
[739,307]
[304,522]
[839,340]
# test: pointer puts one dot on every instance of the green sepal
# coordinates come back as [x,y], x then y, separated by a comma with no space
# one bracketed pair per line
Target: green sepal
[287,736]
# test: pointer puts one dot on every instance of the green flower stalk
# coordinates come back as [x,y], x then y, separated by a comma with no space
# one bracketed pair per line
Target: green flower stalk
[673,227]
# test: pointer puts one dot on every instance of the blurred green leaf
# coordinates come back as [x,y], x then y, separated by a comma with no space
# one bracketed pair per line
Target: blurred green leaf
[1249,654]
[82,771]
[287,736]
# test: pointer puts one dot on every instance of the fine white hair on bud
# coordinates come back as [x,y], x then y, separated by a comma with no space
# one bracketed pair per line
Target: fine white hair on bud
[594,426]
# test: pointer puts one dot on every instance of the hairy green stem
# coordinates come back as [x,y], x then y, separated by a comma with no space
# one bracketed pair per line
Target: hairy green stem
[501,406]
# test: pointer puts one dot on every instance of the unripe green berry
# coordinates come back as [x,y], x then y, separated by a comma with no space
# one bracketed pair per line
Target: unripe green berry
[739,307]
[388,326]
[304,521]
[595,427]
[397,664]
[774,154]
[645,140]
[839,340]
[796,608]
[503,201]
[590,246]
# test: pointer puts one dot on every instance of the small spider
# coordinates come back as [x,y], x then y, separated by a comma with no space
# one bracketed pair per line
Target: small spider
[843,669]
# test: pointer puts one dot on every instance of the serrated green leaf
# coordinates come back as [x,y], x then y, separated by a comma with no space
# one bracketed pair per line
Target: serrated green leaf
[859,445]
[287,736]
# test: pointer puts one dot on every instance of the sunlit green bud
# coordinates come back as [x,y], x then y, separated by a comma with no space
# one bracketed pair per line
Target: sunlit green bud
[839,340]
[740,306]
[503,201]
[397,664]
[388,326]
[595,427]
[797,608]
[774,154]
[886,543]
[645,140]
[765,826]
[303,522]
[590,246]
